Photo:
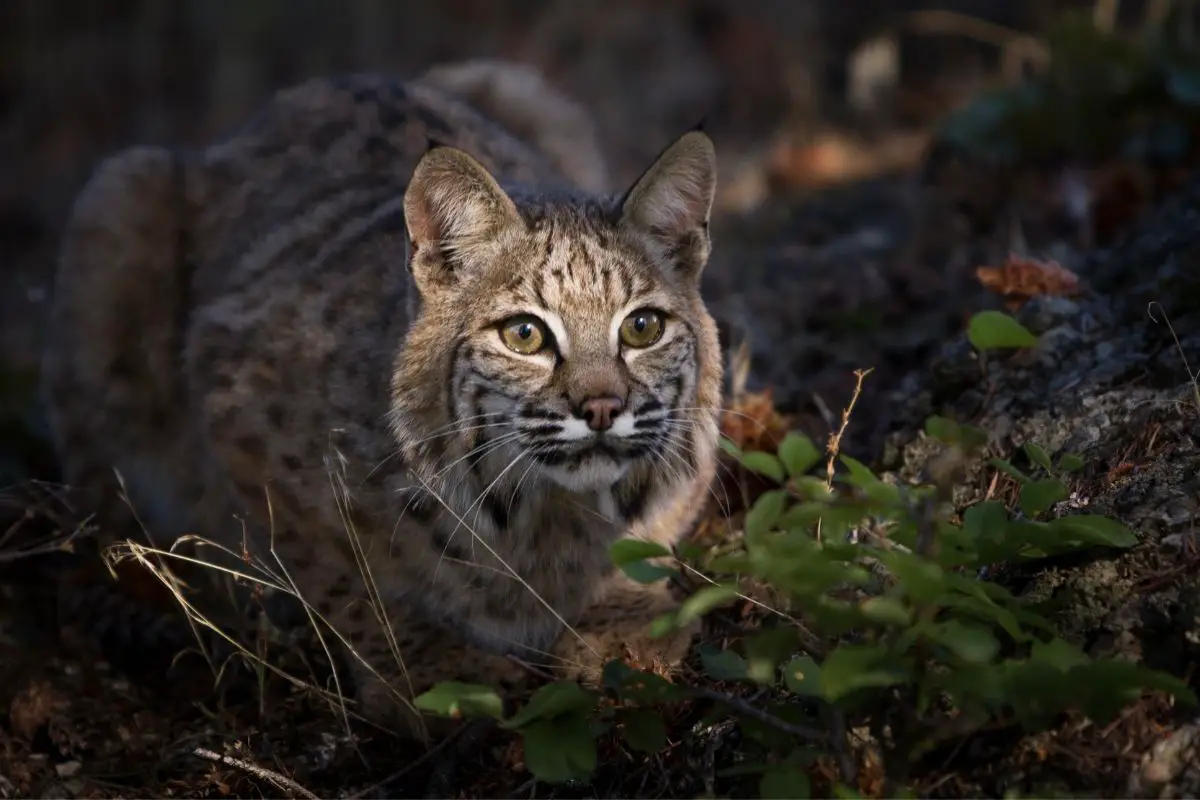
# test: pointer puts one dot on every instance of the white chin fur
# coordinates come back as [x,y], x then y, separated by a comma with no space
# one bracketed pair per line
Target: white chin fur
[597,472]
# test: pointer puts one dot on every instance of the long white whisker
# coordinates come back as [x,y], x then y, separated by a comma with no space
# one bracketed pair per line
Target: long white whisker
[496,555]
[723,505]
[690,426]
[451,429]
[480,450]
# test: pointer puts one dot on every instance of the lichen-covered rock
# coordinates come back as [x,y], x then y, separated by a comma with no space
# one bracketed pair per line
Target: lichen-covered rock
[1107,382]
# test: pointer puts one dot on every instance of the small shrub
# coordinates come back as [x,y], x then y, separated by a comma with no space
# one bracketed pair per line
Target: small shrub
[889,624]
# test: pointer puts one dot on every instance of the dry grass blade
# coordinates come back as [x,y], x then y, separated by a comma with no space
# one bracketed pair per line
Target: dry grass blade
[1193,377]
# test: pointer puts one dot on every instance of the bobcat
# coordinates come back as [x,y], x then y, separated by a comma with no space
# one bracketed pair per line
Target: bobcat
[441,379]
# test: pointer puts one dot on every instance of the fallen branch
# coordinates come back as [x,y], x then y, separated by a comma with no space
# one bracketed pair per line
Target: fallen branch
[279,781]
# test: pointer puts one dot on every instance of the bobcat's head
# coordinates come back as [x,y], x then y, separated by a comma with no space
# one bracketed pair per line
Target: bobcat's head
[559,336]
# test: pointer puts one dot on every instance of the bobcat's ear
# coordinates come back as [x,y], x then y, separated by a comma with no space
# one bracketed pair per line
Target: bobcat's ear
[453,210]
[670,204]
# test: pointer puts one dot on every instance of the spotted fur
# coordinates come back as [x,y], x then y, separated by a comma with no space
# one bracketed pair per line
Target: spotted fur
[298,334]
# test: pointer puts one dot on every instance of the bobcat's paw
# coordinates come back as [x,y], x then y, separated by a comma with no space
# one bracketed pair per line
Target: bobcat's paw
[583,653]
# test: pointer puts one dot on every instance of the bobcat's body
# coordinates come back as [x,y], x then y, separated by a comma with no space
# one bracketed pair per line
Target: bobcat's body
[294,336]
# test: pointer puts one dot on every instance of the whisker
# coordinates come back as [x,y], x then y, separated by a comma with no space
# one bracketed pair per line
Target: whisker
[477,504]
[480,450]
[690,426]
[719,409]
[496,555]
[446,430]
[724,506]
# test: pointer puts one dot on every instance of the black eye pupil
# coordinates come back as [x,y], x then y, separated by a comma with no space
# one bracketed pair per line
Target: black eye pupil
[640,323]
[525,330]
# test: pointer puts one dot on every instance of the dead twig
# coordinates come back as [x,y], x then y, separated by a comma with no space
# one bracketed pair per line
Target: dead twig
[279,781]
[834,446]
[742,707]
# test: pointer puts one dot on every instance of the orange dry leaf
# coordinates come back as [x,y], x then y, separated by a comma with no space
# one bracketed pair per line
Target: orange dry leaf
[753,423]
[1019,279]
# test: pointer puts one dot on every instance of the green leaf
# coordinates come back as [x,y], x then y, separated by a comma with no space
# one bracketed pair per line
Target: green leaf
[986,520]
[1094,529]
[550,701]
[885,611]
[803,676]
[558,751]
[810,487]
[1058,654]
[730,447]
[851,667]
[765,513]
[784,781]
[1069,462]
[631,555]
[954,433]
[923,581]
[457,700]
[1113,684]
[995,330]
[1038,456]
[1009,470]
[972,643]
[704,601]
[765,650]
[627,551]
[798,453]
[1038,496]
[764,464]
[942,428]
[985,526]
[861,477]
[722,665]
[638,686]
[643,730]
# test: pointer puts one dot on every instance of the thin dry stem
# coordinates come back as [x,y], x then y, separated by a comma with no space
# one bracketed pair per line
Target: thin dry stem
[834,446]
[279,781]
[1193,377]
[743,707]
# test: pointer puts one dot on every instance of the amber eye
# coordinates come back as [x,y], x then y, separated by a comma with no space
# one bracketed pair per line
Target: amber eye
[524,334]
[642,328]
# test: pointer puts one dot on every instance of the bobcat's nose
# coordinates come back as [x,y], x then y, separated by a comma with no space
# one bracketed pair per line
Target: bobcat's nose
[599,412]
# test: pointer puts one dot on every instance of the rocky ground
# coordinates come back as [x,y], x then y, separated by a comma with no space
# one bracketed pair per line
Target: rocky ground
[876,273]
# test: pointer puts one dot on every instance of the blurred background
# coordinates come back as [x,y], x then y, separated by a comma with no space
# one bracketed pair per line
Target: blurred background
[802,96]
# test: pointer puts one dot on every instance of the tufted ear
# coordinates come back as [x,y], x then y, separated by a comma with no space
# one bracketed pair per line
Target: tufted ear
[453,210]
[670,204]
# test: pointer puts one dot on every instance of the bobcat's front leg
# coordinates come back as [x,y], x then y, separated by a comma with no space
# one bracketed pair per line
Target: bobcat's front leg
[390,671]
[617,626]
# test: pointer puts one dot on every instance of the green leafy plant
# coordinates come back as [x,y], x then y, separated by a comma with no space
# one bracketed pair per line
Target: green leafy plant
[885,624]
[995,330]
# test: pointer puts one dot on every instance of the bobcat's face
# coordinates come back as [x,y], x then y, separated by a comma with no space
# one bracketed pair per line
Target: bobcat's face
[570,335]
[583,366]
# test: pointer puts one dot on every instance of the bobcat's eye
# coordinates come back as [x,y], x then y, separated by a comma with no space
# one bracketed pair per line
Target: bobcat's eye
[642,328]
[524,334]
